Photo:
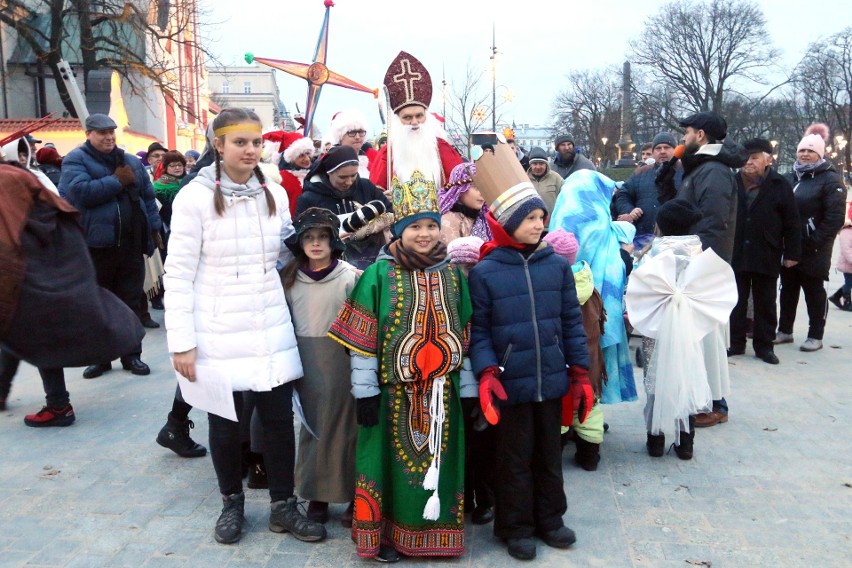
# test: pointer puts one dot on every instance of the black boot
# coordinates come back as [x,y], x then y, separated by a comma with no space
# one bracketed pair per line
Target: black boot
[684,449]
[836,298]
[257,472]
[175,436]
[847,302]
[656,445]
[588,454]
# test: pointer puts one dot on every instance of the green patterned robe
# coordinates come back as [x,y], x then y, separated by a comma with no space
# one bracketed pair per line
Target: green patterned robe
[416,324]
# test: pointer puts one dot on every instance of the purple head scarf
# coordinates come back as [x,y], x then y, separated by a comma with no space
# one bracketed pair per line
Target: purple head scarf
[461,178]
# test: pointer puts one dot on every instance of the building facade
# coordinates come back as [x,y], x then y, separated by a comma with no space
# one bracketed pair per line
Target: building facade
[253,87]
[174,110]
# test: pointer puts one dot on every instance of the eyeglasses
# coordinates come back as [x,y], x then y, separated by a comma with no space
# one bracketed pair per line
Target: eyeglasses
[354,133]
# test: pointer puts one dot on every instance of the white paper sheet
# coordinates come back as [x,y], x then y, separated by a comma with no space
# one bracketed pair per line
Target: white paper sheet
[211,392]
[300,413]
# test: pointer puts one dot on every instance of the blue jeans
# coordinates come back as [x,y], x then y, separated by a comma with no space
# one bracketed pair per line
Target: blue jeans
[847,283]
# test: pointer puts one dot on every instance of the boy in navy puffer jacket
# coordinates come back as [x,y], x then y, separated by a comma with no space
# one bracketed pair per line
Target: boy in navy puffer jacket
[526,330]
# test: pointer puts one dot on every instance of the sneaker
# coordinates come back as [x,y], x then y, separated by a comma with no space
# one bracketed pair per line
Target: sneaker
[285,517]
[51,416]
[563,537]
[521,548]
[782,337]
[707,419]
[229,525]
[811,344]
[175,436]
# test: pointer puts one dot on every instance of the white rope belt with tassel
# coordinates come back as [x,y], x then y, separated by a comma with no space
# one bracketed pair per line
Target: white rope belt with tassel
[437,414]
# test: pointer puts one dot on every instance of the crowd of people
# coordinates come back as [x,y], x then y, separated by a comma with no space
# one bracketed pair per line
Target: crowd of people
[446,326]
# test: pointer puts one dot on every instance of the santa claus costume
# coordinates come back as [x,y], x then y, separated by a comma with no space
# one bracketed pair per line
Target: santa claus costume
[422,148]
[347,121]
[290,146]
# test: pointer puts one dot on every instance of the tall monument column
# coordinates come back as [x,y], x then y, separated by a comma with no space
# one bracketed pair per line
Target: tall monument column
[626,144]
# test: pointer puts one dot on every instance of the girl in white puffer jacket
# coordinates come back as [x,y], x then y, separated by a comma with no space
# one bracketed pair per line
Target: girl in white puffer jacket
[227,318]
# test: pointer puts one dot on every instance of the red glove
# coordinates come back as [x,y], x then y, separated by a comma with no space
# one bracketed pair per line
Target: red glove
[580,391]
[490,387]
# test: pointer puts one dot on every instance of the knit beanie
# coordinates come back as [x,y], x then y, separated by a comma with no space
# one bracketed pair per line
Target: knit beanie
[537,154]
[564,244]
[815,138]
[563,138]
[517,215]
[192,154]
[49,156]
[677,217]
[663,138]
[464,250]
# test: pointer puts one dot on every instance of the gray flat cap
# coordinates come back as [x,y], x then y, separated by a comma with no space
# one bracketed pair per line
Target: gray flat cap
[100,122]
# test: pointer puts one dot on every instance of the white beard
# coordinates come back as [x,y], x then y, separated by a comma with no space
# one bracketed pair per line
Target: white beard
[415,150]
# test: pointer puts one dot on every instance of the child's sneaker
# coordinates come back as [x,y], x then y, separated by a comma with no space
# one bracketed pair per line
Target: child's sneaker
[51,416]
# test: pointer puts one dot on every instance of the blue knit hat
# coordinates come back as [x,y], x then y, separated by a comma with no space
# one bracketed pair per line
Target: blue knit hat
[520,213]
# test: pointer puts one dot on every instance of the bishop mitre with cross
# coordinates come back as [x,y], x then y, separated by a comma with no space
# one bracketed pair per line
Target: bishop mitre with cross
[416,139]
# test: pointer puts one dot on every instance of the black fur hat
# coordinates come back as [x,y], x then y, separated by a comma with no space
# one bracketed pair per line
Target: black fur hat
[316,217]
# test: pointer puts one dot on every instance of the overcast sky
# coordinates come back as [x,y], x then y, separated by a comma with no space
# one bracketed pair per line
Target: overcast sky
[537,46]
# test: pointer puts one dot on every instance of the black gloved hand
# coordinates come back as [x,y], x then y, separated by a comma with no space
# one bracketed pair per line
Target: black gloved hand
[367,411]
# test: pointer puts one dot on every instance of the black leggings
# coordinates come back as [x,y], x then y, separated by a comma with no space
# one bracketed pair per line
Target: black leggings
[275,409]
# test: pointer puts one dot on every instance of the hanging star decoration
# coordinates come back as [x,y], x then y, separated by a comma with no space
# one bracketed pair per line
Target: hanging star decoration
[316,73]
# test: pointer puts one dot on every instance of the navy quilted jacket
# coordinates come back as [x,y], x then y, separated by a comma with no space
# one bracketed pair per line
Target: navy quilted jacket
[526,319]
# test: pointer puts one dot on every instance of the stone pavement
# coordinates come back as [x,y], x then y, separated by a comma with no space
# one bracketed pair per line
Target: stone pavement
[773,487]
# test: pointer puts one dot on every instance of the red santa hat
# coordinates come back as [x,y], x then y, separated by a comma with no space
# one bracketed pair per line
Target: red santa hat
[291,144]
[294,145]
[344,121]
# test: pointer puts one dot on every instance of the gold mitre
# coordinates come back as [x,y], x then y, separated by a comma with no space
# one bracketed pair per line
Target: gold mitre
[414,199]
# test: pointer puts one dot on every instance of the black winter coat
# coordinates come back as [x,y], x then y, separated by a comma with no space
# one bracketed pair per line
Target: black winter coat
[821,199]
[526,319]
[318,192]
[709,184]
[767,230]
[640,190]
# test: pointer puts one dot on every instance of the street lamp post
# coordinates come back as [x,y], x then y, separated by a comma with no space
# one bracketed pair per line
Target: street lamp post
[493,78]
[604,140]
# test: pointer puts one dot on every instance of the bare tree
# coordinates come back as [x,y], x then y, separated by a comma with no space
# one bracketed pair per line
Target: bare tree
[590,108]
[702,50]
[136,38]
[467,105]
[824,78]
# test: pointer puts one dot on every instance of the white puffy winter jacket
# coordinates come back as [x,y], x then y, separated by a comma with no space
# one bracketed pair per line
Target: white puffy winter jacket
[223,293]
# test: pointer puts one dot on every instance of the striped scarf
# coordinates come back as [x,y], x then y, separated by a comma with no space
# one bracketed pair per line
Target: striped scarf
[411,260]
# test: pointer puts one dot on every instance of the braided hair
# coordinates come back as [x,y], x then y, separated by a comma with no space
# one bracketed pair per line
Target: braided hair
[228,117]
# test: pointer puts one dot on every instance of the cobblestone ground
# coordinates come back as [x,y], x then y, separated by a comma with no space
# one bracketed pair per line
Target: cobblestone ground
[772,487]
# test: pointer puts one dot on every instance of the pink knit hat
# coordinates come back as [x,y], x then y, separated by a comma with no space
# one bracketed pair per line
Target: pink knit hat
[564,244]
[464,250]
[815,138]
